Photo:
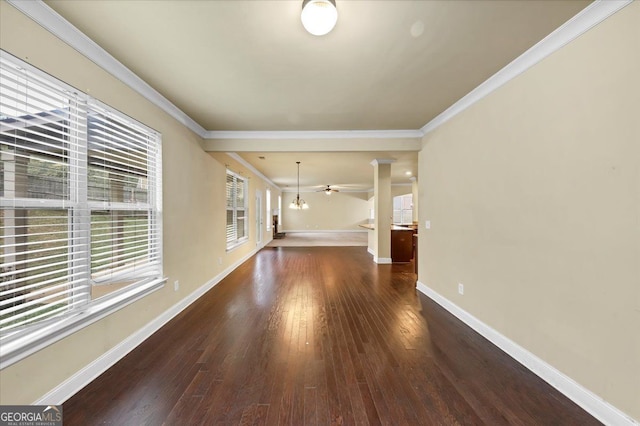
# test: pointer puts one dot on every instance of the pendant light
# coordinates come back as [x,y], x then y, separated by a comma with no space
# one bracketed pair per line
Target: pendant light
[319,16]
[298,203]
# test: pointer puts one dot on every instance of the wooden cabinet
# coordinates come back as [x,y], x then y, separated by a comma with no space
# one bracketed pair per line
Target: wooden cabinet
[401,244]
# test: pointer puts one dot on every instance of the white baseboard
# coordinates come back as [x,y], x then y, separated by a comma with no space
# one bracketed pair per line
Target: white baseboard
[382,260]
[323,231]
[590,402]
[83,377]
[370,251]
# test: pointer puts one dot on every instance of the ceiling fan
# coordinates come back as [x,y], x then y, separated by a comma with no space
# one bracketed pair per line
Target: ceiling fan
[328,190]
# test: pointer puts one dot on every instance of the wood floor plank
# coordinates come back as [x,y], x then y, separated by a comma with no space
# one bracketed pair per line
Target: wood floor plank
[318,336]
[373,418]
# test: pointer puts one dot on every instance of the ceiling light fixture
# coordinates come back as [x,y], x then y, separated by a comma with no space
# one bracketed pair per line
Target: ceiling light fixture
[298,203]
[319,16]
[328,190]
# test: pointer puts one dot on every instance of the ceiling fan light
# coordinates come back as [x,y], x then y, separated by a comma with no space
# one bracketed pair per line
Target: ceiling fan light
[319,16]
[327,191]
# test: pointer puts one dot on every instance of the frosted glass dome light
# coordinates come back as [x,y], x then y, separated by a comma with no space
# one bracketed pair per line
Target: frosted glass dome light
[319,16]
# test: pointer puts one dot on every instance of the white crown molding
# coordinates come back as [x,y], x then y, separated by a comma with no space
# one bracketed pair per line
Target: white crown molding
[244,162]
[65,31]
[379,161]
[590,402]
[592,15]
[86,375]
[315,134]
[589,17]
[313,145]
[312,191]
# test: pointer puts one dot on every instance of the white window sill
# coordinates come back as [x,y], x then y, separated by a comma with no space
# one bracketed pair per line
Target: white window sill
[234,246]
[19,345]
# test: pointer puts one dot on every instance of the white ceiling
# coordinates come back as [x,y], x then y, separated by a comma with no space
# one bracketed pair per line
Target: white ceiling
[250,65]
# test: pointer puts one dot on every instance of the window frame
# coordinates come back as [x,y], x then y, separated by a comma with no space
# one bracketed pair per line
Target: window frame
[17,343]
[400,209]
[153,201]
[232,206]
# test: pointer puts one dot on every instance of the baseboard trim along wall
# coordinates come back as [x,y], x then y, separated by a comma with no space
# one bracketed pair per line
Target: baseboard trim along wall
[323,231]
[382,260]
[590,402]
[86,375]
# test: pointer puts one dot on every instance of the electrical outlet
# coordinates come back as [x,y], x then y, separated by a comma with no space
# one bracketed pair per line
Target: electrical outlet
[460,288]
[176,285]
[219,261]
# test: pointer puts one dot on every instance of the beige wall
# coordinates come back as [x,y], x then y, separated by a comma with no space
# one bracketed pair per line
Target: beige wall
[415,200]
[340,211]
[397,190]
[193,213]
[534,199]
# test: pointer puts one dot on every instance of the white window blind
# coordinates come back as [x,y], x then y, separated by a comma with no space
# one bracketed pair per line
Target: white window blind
[237,211]
[123,165]
[41,129]
[79,199]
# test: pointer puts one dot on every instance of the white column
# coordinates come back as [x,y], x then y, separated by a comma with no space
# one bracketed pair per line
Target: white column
[383,209]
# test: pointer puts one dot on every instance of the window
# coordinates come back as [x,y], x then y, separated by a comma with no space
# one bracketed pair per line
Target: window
[403,209]
[237,210]
[268,208]
[123,200]
[80,196]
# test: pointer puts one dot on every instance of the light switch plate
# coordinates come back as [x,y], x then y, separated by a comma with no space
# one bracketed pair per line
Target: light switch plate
[427,224]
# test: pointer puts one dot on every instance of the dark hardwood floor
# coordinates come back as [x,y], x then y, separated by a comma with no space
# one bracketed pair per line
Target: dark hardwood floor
[318,335]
